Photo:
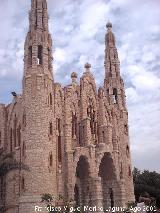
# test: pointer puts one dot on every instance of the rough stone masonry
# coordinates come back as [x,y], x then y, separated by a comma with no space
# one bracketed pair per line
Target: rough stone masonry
[74,139]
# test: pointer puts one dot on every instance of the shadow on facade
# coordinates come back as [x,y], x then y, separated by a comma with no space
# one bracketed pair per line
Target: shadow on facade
[82,186]
[106,172]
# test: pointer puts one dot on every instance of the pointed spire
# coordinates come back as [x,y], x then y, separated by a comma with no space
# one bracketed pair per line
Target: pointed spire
[113,82]
[38,46]
[111,55]
[74,77]
[110,38]
[38,15]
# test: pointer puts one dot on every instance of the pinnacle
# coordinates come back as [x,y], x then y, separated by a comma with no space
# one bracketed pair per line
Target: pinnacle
[39,15]
[87,65]
[109,25]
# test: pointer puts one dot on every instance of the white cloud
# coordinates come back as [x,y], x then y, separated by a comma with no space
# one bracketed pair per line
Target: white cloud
[132,95]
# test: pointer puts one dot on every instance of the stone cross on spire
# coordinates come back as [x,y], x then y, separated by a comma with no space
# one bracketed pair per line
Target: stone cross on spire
[38,15]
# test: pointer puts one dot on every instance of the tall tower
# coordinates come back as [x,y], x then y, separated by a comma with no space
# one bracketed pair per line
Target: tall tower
[39,151]
[113,82]
[115,93]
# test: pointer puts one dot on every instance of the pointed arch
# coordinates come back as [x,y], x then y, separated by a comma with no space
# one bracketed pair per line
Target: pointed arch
[40,55]
[83,184]
[115,96]
[30,55]
[108,176]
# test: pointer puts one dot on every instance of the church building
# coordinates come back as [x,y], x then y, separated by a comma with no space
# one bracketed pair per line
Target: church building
[73,139]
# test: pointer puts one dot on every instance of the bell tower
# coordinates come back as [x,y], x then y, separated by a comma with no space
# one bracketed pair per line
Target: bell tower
[38,107]
[38,44]
[115,93]
[113,83]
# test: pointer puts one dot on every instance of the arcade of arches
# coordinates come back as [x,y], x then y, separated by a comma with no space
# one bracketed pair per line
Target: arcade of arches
[89,192]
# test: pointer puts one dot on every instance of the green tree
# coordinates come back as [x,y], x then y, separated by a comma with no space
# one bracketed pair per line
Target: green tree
[147,184]
[8,163]
[48,200]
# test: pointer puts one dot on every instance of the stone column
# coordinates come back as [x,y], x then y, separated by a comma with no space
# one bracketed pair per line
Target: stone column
[97,196]
[120,194]
[70,176]
[86,131]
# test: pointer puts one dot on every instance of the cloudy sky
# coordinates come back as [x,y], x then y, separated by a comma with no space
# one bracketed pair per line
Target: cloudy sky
[78,29]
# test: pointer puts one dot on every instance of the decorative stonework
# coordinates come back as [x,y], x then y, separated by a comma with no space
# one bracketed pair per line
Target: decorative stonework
[74,140]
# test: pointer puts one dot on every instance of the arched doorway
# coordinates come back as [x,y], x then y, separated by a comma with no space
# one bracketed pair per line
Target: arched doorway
[106,172]
[82,186]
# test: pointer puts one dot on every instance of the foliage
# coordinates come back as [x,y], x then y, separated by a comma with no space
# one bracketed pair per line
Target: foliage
[48,199]
[8,163]
[147,185]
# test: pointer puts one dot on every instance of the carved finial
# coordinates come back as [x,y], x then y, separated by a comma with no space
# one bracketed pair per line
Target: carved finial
[14,94]
[74,77]
[110,39]
[87,66]
[109,25]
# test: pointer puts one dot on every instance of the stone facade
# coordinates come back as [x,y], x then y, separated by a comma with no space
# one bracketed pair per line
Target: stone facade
[74,139]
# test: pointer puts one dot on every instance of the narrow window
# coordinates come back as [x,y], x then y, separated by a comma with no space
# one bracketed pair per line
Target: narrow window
[127,151]
[57,120]
[107,92]
[49,58]
[19,135]
[23,184]
[50,128]
[129,171]
[80,135]
[74,125]
[23,149]
[59,141]
[59,149]
[115,96]
[39,57]
[11,145]
[30,55]
[91,114]
[103,136]
[121,172]
[50,160]
[126,129]
[58,125]
[15,133]
[0,139]
[36,24]
[50,99]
